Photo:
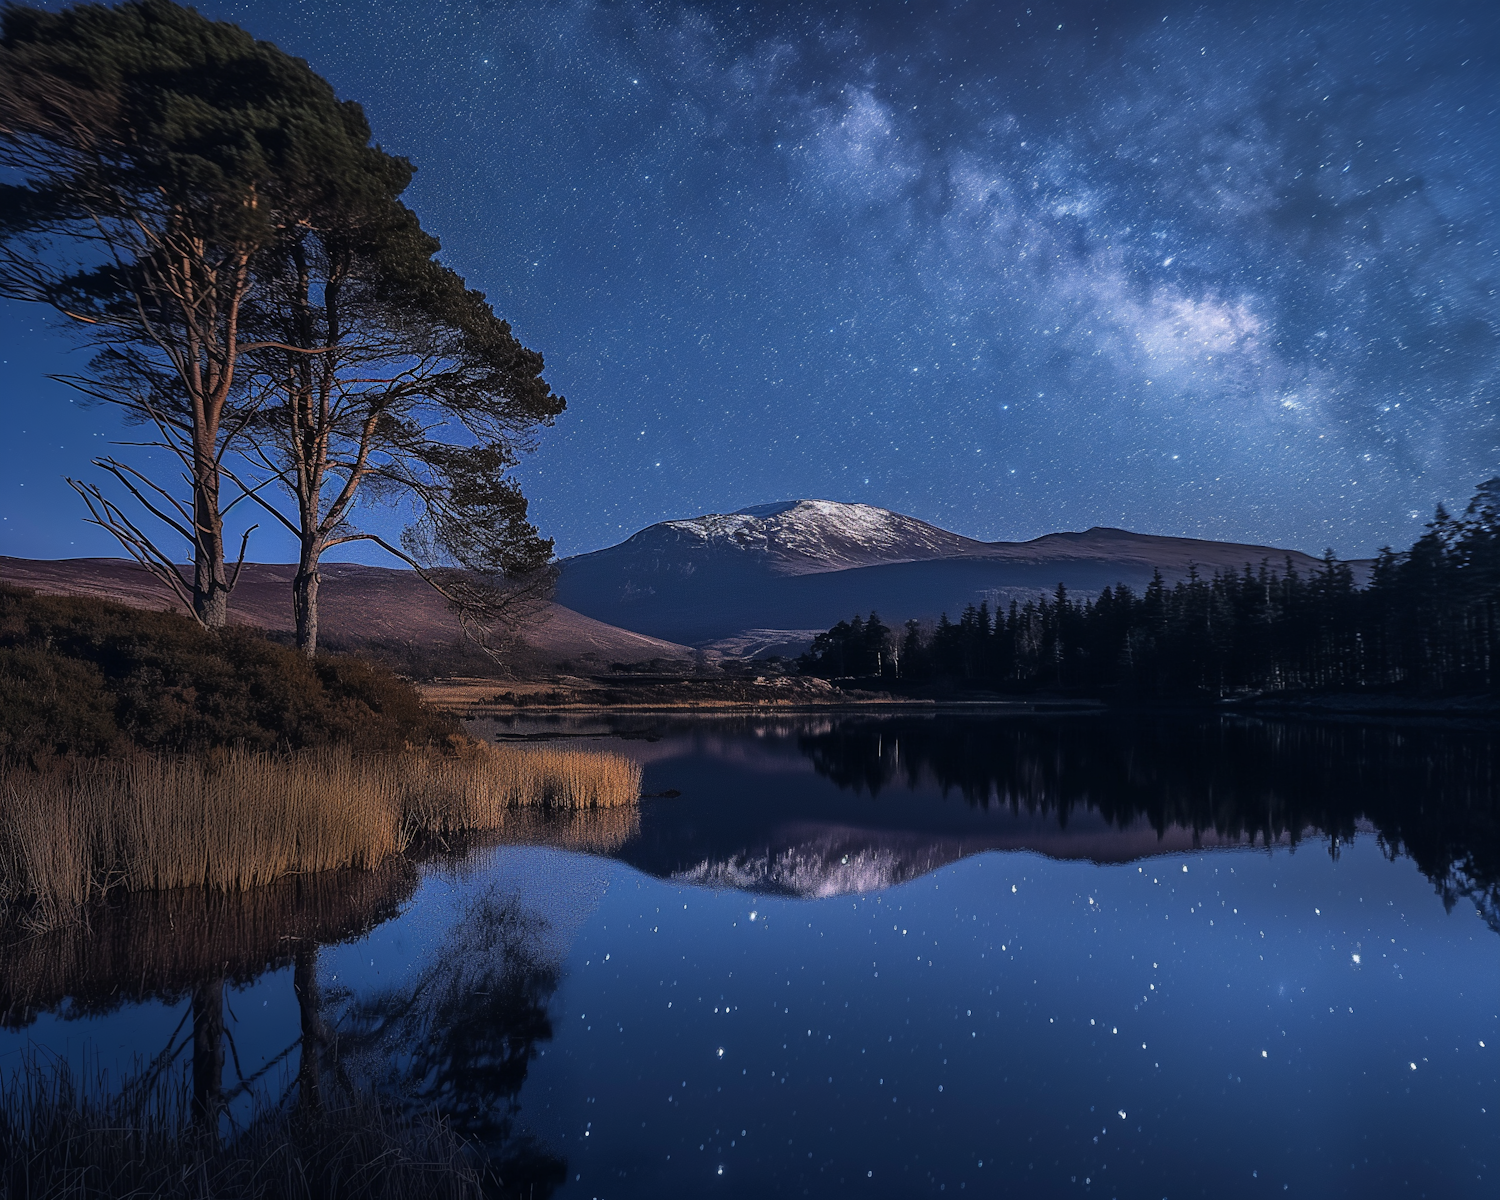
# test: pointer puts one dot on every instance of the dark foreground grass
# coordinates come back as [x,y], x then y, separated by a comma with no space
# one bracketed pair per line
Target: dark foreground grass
[57,1142]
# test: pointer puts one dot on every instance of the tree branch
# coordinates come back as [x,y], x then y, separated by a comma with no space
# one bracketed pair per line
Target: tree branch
[135,542]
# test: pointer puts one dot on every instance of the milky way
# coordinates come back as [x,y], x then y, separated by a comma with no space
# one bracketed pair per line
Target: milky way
[1219,270]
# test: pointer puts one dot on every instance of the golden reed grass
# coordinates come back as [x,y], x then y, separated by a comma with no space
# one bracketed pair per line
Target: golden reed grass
[240,820]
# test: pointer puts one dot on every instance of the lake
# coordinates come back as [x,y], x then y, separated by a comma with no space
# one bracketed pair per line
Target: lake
[877,956]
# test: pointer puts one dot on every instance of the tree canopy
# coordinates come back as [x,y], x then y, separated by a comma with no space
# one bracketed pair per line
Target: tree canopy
[157,154]
[382,374]
[208,215]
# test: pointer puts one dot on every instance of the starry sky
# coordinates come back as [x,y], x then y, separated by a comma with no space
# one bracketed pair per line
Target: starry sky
[1215,269]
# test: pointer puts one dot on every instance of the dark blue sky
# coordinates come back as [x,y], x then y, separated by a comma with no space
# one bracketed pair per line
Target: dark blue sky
[1226,270]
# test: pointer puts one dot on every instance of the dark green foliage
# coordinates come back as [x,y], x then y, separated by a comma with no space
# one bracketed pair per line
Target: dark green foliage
[151,106]
[85,676]
[216,223]
[150,157]
[1426,623]
[858,648]
[388,378]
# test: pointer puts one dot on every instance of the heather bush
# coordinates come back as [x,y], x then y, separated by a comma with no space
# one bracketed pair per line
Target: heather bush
[80,675]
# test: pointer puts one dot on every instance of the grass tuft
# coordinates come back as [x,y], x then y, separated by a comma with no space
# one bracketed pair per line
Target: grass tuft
[241,819]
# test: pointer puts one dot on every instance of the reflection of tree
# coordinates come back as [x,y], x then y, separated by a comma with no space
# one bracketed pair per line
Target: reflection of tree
[313,1033]
[455,1045]
[148,1135]
[163,945]
[187,945]
[208,1053]
[1432,792]
[458,1039]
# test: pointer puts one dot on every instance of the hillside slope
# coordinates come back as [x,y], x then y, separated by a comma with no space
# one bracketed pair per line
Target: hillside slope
[360,606]
[804,565]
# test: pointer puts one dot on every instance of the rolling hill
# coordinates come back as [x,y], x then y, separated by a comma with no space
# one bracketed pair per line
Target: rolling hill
[360,607]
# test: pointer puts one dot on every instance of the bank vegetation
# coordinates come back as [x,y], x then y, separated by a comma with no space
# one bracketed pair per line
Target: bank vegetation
[241,819]
[141,752]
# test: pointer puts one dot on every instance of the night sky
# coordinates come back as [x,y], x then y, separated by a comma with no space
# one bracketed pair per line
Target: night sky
[1222,270]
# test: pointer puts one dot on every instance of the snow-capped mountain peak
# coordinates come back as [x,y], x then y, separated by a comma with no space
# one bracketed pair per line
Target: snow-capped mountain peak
[806,536]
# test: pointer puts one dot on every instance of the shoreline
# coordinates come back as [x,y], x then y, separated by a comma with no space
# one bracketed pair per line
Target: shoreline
[471,698]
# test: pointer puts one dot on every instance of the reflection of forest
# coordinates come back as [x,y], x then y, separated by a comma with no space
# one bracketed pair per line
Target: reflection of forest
[418,1074]
[1428,790]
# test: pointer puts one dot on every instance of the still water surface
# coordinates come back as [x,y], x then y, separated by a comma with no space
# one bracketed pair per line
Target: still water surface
[888,957]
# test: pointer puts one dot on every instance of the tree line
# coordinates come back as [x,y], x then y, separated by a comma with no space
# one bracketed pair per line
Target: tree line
[1424,621]
[219,228]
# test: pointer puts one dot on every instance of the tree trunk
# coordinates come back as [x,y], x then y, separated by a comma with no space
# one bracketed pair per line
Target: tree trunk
[208,1054]
[314,1035]
[305,601]
[210,576]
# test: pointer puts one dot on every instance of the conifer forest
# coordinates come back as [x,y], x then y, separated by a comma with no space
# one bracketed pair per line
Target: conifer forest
[1423,621]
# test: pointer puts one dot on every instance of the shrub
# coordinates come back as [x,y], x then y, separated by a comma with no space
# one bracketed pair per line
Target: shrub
[80,675]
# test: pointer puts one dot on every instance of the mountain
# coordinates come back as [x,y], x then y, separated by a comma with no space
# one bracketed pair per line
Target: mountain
[772,575]
[796,537]
[384,608]
[752,583]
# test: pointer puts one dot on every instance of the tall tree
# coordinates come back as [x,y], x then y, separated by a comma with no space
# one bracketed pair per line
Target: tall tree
[154,154]
[386,377]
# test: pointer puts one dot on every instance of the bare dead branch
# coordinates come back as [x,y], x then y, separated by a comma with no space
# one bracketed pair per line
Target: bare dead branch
[135,542]
[244,541]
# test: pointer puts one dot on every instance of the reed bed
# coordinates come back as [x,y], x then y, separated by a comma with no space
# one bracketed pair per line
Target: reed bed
[243,819]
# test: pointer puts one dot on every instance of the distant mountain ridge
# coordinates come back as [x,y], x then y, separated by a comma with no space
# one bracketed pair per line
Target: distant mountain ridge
[801,565]
[753,583]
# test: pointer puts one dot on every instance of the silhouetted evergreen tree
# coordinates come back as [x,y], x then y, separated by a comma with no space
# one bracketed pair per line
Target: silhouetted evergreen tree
[1425,622]
[860,647]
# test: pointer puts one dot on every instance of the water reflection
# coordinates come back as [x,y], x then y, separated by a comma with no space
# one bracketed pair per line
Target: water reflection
[453,1043]
[1429,792]
[165,946]
[188,945]
[913,793]
[458,1037]
[535,1000]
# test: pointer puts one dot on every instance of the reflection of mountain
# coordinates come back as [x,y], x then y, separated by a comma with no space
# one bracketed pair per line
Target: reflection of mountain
[810,860]
[912,793]
[1429,791]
